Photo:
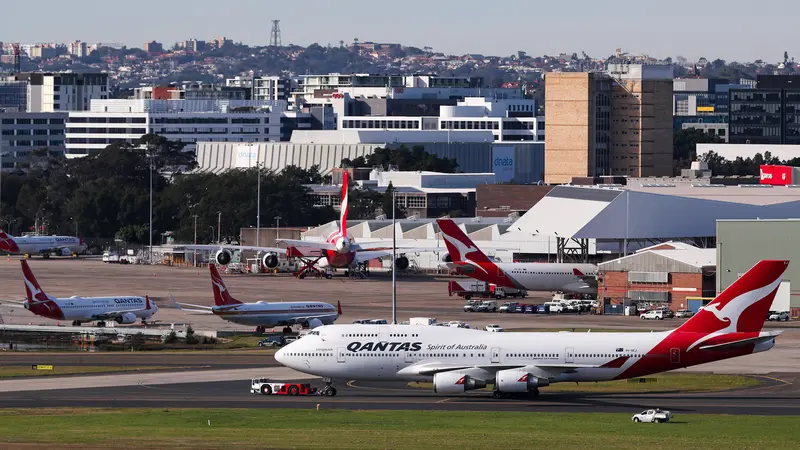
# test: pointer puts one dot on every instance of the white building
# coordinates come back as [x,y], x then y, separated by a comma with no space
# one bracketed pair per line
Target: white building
[64,91]
[732,151]
[189,121]
[78,49]
[506,120]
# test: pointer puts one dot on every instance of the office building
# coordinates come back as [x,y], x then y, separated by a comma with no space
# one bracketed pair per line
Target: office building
[42,52]
[264,88]
[13,95]
[189,121]
[767,114]
[22,132]
[63,91]
[702,103]
[192,45]
[613,123]
[78,49]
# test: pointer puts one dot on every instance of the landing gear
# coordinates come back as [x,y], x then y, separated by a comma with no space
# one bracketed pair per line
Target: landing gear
[287,330]
[499,394]
[76,323]
[261,330]
[534,393]
[101,324]
[328,390]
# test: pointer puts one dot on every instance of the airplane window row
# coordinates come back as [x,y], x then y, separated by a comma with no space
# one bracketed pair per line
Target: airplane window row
[403,335]
[360,335]
[532,355]
[371,355]
[605,355]
[310,354]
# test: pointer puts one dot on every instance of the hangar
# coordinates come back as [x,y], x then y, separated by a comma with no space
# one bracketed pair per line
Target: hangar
[623,219]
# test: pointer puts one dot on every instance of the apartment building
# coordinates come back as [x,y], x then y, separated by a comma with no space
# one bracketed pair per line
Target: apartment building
[64,91]
[22,132]
[613,123]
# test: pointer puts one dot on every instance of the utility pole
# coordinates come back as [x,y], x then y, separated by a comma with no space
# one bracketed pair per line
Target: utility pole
[194,260]
[278,231]
[394,258]
[219,226]
[258,207]
[150,256]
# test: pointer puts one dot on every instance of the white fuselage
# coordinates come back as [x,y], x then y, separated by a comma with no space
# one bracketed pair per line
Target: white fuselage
[271,314]
[86,309]
[35,245]
[350,352]
[549,276]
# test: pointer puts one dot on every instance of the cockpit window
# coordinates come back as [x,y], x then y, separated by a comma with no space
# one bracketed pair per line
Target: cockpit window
[314,333]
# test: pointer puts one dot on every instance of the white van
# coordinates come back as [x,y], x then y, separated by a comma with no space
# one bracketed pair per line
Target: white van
[557,307]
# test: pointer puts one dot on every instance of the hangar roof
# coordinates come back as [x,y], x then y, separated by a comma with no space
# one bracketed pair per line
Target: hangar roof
[652,213]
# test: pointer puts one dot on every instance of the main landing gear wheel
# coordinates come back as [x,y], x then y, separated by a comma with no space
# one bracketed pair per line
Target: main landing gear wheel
[287,330]
[261,330]
[266,389]
[101,324]
[534,393]
[497,394]
[328,390]
[75,323]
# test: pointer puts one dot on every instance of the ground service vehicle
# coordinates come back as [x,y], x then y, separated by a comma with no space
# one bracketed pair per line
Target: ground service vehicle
[653,416]
[776,316]
[457,360]
[272,341]
[509,307]
[684,313]
[653,315]
[494,328]
[487,306]
[480,289]
[421,321]
[264,386]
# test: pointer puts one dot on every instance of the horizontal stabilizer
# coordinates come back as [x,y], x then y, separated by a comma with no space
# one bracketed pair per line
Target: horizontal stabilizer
[742,342]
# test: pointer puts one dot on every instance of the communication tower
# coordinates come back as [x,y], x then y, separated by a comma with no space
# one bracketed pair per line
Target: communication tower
[275,35]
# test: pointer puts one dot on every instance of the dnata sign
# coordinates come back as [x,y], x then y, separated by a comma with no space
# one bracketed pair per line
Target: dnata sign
[503,163]
[246,156]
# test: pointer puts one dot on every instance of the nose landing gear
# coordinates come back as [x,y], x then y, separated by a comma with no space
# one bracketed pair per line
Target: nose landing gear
[328,390]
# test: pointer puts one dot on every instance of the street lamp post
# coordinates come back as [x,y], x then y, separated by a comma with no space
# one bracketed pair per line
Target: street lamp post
[150,255]
[278,231]
[219,226]
[194,260]
[212,233]
[394,258]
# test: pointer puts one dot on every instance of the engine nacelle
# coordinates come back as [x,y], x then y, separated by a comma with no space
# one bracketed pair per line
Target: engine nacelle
[270,260]
[446,258]
[312,323]
[126,318]
[223,257]
[455,383]
[516,380]
[401,263]
[66,252]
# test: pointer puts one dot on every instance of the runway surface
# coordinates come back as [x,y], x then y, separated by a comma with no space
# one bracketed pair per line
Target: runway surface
[778,396]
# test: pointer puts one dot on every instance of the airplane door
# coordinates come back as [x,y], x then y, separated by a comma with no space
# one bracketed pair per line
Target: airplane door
[409,357]
[383,334]
[675,355]
[495,355]
[340,355]
[569,354]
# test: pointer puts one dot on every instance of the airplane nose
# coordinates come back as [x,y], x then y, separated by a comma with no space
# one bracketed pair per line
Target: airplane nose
[280,356]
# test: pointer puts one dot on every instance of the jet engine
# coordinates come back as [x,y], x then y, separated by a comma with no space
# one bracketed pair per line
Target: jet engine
[270,260]
[223,257]
[401,263]
[312,323]
[516,380]
[455,383]
[66,252]
[126,318]
[446,258]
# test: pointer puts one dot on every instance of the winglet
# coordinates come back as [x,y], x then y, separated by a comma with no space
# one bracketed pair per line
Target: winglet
[175,302]
[339,307]
[343,217]
[221,295]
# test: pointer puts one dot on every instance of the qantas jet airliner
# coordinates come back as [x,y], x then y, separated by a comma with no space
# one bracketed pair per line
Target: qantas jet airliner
[458,359]
[467,259]
[41,245]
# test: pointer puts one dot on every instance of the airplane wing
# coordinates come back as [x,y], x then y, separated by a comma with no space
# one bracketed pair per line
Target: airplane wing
[113,314]
[431,368]
[366,255]
[232,247]
[303,245]
[20,303]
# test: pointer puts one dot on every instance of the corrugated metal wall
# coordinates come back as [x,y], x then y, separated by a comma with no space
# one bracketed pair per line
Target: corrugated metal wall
[471,157]
[648,262]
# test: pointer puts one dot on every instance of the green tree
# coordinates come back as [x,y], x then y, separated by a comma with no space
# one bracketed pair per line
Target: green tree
[684,143]
[404,158]
[387,203]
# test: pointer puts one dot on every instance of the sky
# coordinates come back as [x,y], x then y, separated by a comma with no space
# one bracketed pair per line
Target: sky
[734,30]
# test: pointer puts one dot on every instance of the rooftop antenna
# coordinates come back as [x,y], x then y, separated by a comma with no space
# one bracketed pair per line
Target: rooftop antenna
[275,34]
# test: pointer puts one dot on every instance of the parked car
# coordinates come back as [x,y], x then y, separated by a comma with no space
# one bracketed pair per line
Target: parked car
[544,308]
[471,305]
[655,314]
[776,316]
[684,313]
[653,416]
[289,339]
[272,341]
[509,307]
[487,306]
[494,328]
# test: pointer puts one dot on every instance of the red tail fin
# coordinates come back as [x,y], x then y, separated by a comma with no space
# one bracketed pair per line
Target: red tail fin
[147,302]
[343,216]
[459,245]
[7,243]
[221,295]
[744,305]
[339,308]
[32,288]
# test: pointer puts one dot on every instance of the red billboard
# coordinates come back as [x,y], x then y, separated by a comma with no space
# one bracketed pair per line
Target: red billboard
[776,175]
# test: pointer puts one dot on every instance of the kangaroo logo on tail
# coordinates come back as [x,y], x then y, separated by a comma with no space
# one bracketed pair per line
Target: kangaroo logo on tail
[32,288]
[221,295]
[743,306]
[460,246]
[7,243]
